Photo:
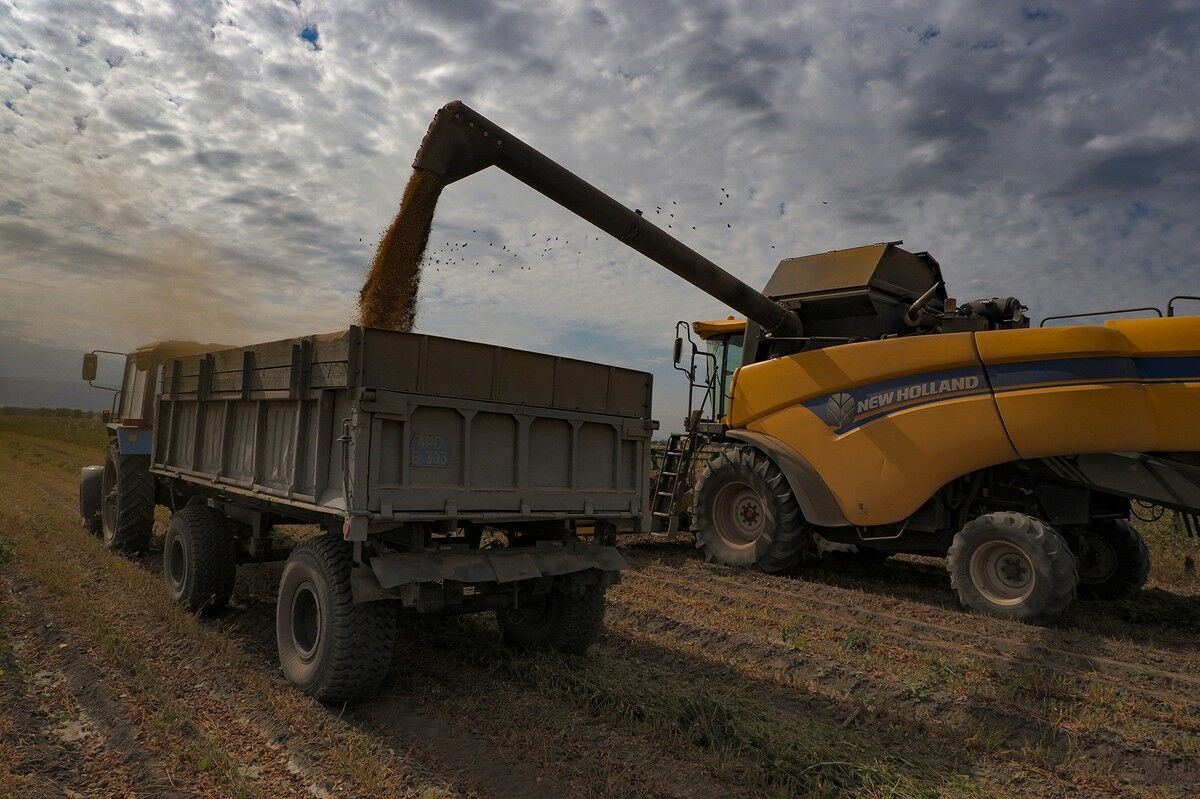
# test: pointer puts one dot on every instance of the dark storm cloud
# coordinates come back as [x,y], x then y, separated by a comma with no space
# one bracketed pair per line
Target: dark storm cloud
[218,159]
[1134,169]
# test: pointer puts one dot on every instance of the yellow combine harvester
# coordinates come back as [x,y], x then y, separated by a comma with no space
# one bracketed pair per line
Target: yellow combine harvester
[908,423]
[860,409]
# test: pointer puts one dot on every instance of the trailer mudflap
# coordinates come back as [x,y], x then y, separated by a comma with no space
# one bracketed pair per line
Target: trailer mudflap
[547,559]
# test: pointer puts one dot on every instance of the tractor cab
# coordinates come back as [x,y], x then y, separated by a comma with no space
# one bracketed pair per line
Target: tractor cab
[133,401]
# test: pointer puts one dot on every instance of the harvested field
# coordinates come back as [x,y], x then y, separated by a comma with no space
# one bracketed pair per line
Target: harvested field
[840,681]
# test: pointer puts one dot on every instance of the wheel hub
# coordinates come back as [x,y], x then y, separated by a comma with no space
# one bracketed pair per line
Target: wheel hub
[306,622]
[739,515]
[177,563]
[1002,572]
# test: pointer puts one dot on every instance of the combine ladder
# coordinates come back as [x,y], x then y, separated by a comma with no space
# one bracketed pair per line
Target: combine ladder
[673,479]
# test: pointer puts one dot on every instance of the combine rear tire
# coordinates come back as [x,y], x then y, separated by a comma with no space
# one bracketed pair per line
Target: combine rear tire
[1013,566]
[200,559]
[127,502]
[330,647]
[562,620]
[744,513]
[1113,560]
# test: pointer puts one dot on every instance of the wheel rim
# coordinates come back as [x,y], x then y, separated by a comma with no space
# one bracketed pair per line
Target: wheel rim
[108,501]
[1097,559]
[739,515]
[306,622]
[177,563]
[1002,573]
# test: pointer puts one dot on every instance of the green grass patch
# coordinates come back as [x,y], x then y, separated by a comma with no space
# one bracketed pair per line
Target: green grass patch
[81,431]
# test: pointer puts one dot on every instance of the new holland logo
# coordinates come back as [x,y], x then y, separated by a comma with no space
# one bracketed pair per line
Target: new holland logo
[840,410]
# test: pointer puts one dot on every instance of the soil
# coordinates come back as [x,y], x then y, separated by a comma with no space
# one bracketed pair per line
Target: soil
[388,298]
[874,663]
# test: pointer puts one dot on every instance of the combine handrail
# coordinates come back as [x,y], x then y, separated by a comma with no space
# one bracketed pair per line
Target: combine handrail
[1100,313]
[1171,302]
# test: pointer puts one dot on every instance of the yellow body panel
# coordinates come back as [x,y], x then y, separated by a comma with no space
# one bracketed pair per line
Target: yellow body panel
[887,423]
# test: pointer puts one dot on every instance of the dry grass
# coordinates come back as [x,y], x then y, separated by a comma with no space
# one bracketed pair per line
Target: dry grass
[709,682]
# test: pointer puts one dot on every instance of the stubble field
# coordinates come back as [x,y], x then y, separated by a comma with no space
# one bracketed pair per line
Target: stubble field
[708,681]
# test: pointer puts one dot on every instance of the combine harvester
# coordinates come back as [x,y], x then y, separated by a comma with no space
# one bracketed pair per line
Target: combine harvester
[861,409]
[864,410]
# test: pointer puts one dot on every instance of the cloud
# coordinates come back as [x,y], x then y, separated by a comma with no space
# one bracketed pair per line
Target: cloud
[224,172]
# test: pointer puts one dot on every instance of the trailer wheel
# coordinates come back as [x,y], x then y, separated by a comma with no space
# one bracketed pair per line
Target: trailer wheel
[1013,566]
[91,493]
[1113,560]
[126,502]
[744,513]
[200,558]
[563,620]
[330,647]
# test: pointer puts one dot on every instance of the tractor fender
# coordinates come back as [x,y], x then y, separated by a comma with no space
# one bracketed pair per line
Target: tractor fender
[814,497]
[90,485]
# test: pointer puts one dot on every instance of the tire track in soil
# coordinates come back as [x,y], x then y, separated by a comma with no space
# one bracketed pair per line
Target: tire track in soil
[452,751]
[1001,649]
[648,645]
[467,757]
[956,626]
[302,762]
[122,754]
[445,745]
[948,718]
[1166,621]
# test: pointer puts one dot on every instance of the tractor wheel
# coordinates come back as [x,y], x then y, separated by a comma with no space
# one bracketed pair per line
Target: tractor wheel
[330,647]
[126,502]
[1013,566]
[1113,560]
[562,620]
[744,513]
[200,559]
[91,493]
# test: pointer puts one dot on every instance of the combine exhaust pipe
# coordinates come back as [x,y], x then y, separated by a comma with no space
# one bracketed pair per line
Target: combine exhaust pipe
[461,142]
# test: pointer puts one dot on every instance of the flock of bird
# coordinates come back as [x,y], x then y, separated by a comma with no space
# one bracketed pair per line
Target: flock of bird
[469,253]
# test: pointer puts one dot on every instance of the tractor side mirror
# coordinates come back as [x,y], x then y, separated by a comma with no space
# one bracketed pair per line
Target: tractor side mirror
[90,362]
[678,351]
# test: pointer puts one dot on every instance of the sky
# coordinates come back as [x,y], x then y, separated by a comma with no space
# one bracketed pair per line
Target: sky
[222,171]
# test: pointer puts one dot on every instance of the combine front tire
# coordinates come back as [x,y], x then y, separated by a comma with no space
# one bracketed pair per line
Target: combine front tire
[330,647]
[200,559]
[744,513]
[127,502]
[568,621]
[1013,566]
[1113,560]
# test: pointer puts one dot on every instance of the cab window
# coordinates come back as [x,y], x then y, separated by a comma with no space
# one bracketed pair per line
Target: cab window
[727,351]
[136,389]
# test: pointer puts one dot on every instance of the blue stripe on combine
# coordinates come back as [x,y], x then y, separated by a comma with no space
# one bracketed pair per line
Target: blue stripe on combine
[1092,370]
[1002,377]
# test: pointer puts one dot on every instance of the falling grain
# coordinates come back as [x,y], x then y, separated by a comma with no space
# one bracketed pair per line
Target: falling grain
[389,296]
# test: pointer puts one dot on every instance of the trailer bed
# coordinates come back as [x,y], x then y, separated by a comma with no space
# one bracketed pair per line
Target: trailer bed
[383,428]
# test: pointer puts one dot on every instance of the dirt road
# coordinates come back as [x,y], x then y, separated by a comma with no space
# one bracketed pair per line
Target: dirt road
[708,682]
